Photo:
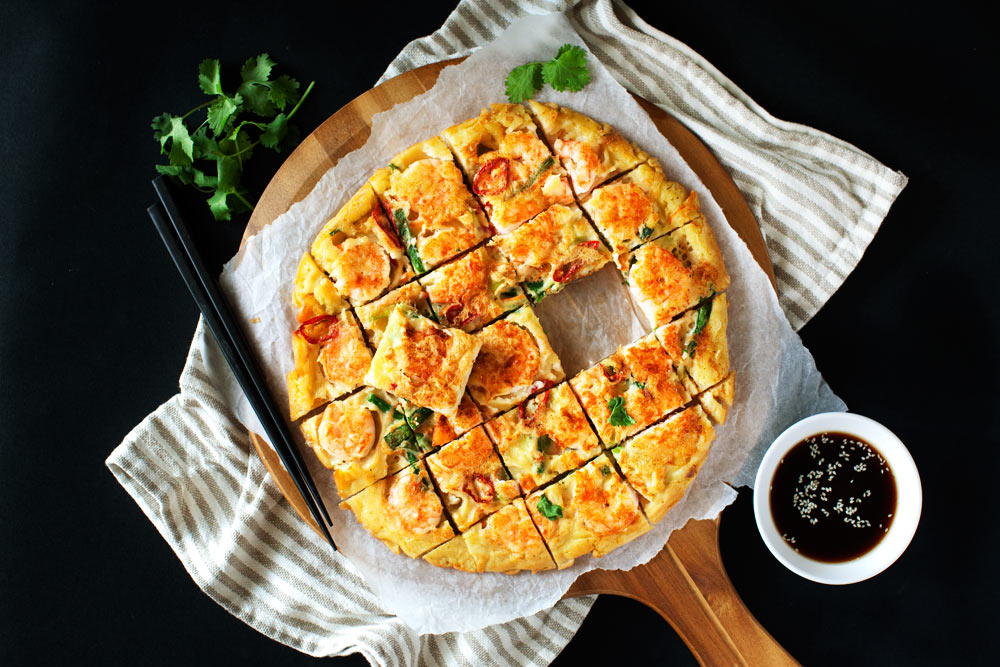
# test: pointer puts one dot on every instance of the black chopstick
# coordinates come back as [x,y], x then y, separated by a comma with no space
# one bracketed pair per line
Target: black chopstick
[223,325]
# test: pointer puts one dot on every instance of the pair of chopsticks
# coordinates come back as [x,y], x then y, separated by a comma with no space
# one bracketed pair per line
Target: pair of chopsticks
[215,309]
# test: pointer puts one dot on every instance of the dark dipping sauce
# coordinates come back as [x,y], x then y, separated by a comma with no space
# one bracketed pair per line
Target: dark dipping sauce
[833,497]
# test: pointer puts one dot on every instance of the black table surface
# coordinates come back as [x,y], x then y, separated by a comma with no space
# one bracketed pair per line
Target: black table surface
[96,322]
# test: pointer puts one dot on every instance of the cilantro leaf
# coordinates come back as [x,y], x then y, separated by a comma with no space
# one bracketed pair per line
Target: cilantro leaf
[284,91]
[211,158]
[209,79]
[618,416]
[568,70]
[549,509]
[536,290]
[524,81]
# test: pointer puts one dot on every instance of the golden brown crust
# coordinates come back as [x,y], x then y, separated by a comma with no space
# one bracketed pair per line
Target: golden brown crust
[676,271]
[425,187]
[471,478]
[638,377]
[640,206]
[528,177]
[662,461]
[544,437]
[590,511]
[423,363]
[591,152]
[508,542]
[473,290]
[514,362]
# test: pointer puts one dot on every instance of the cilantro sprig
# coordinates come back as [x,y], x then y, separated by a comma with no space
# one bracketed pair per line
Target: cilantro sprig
[211,155]
[567,71]
[618,416]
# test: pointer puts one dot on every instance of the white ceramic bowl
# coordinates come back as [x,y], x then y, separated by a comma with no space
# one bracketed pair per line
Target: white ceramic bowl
[909,498]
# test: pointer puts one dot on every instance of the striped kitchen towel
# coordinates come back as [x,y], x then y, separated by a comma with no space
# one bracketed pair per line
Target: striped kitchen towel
[190,465]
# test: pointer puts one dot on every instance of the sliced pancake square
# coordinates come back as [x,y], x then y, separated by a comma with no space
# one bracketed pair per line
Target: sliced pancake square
[508,542]
[434,214]
[633,388]
[674,272]
[514,362]
[717,400]
[591,152]
[403,511]
[589,511]
[662,461]
[552,249]
[544,437]
[359,249]
[453,554]
[697,344]
[361,438]
[471,478]
[640,206]
[330,358]
[422,362]
[510,168]
[314,293]
[375,316]
[473,290]
[433,429]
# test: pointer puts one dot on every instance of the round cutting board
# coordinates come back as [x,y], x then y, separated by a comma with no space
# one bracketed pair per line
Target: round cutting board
[685,583]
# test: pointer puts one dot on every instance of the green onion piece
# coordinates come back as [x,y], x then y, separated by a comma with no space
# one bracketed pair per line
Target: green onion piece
[418,264]
[379,402]
[508,293]
[419,416]
[618,450]
[398,436]
[618,416]
[549,509]
[540,468]
[394,167]
[536,290]
[546,164]
[411,458]
[396,414]
[632,382]
[605,470]
[335,231]
[689,348]
[704,312]
[645,232]
[423,442]
[544,442]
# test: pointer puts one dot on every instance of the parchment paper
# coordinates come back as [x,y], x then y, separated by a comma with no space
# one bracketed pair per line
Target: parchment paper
[776,383]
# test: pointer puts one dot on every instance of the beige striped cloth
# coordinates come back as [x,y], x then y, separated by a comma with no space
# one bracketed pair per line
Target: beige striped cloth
[190,465]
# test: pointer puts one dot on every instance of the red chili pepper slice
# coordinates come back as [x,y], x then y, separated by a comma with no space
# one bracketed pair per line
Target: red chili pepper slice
[595,244]
[383,222]
[614,375]
[305,330]
[564,273]
[473,490]
[492,178]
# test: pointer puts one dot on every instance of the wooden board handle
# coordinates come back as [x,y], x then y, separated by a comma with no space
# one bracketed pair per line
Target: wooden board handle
[687,585]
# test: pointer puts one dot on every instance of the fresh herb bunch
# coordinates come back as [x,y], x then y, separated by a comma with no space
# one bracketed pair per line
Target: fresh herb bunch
[567,71]
[211,157]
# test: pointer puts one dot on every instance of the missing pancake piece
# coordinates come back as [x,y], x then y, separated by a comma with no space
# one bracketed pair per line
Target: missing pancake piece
[426,383]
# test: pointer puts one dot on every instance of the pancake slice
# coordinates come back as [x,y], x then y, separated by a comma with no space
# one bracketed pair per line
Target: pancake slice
[552,249]
[591,510]
[633,388]
[361,438]
[591,152]
[515,361]
[471,478]
[360,251]
[544,437]
[403,511]
[676,271]
[697,344]
[434,214]
[508,542]
[662,461]
[422,362]
[510,168]
[473,290]
[640,206]
[375,316]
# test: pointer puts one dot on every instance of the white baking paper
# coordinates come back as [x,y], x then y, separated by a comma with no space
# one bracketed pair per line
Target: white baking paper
[776,380]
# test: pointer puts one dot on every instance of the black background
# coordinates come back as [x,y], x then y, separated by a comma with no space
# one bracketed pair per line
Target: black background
[96,322]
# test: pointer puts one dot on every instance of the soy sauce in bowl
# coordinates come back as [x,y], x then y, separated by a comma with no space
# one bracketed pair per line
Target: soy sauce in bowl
[833,497]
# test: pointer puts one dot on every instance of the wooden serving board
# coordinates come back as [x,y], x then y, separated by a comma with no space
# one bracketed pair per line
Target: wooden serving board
[686,583]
